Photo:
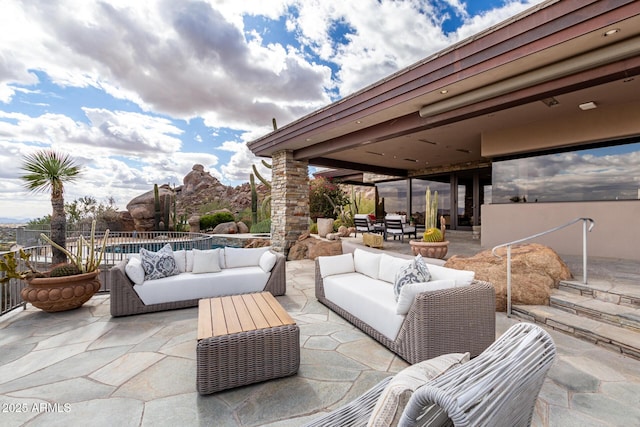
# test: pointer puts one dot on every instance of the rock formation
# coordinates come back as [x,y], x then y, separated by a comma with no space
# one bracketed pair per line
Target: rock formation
[535,270]
[142,208]
[308,247]
[199,189]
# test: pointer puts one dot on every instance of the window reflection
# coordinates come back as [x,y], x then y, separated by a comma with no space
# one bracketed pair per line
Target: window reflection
[596,174]
[395,196]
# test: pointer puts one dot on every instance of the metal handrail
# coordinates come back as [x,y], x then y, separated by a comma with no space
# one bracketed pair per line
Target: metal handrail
[591,222]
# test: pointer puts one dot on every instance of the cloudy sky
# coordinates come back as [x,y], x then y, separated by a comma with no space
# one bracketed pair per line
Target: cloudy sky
[140,91]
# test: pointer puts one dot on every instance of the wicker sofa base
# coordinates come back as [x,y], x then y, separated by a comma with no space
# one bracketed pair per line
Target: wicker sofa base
[247,357]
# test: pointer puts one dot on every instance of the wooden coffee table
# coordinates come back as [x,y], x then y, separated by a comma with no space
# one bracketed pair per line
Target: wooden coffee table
[244,339]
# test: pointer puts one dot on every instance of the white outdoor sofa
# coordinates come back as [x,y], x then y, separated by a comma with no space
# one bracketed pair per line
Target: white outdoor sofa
[454,313]
[202,274]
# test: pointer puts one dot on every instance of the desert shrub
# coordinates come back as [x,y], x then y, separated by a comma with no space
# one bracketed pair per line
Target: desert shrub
[263,226]
[208,222]
[313,228]
[325,198]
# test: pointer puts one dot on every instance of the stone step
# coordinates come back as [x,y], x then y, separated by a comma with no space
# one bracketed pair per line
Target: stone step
[616,338]
[588,306]
[627,293]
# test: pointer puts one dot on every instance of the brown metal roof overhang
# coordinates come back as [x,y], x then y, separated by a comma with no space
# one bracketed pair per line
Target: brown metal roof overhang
[537,39]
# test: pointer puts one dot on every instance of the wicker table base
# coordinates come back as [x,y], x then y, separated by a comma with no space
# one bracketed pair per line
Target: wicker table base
[242,340]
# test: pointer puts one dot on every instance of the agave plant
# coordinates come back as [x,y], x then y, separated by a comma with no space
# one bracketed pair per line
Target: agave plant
[81,263]
[9,263]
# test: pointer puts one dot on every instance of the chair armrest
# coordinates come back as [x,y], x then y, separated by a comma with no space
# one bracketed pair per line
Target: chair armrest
[355,413]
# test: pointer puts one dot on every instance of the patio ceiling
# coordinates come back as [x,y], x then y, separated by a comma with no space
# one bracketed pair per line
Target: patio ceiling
[432,115]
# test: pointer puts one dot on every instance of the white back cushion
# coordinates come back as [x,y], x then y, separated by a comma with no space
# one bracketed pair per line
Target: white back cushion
[243,257]
[267,261]
[389,266]
[409,291]
[367,263]
[336,264]
[134,270]
[462,277]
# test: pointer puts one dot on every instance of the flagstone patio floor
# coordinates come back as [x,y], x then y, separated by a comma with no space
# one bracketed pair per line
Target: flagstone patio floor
[84,367]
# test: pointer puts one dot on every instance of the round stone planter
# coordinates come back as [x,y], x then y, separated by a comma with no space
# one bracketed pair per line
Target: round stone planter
[429,249]
[325,226]
[53,294]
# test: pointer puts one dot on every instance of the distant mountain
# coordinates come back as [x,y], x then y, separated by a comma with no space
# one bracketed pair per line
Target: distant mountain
[8,221]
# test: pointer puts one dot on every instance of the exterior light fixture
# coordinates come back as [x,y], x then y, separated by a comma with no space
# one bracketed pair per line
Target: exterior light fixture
[588,106]
[444,91]
[611,32]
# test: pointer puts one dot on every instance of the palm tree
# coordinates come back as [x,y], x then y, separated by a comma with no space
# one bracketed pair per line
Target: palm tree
[48,170]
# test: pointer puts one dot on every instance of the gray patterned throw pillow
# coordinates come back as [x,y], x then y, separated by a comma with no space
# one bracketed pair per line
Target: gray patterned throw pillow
[414,272]
[158,264]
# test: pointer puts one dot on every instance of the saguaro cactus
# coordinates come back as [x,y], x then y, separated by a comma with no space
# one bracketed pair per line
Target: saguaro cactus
[156,204]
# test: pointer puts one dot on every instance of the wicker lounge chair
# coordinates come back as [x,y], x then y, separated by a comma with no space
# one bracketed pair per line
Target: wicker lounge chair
[498,388]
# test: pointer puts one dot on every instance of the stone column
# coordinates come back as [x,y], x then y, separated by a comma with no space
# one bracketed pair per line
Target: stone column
[289,200]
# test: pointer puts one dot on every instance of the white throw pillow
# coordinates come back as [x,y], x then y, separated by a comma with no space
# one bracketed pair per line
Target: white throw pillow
[206,261]
[389,266]
[158,264]
[367,263]
[410,290]
[336,264]
[181,260]
[396,395]
[134,270]
[462,277]
[267,261]
[243,257]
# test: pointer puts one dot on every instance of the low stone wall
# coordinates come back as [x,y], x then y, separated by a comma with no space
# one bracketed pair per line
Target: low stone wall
[235,240]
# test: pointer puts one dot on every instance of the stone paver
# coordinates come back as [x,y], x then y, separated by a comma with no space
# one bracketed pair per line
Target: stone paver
[140,371]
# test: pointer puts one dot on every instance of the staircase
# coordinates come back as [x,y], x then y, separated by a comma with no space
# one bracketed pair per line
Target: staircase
[603,312]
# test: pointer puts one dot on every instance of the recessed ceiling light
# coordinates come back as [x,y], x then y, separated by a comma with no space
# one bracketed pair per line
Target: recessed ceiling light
[358,121]
[611,32]
[627,80]
[428,142]
[444,91]
[550,102]
[588,106]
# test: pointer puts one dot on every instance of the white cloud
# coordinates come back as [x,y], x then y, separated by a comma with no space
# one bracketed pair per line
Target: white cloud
[193,59]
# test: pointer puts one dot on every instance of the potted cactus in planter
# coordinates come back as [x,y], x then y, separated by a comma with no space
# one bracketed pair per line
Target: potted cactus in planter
[66,285]
[432,244]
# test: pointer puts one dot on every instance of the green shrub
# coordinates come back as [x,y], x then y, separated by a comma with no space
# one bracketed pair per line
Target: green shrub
[313,228]
[325,198]
[209,222]
[263,226]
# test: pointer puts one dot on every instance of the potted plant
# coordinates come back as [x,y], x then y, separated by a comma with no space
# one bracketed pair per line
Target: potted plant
[432,244]
[65,286]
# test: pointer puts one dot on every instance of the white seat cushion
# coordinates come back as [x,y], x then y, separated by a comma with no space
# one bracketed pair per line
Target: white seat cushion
[187,286]
[370,300]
